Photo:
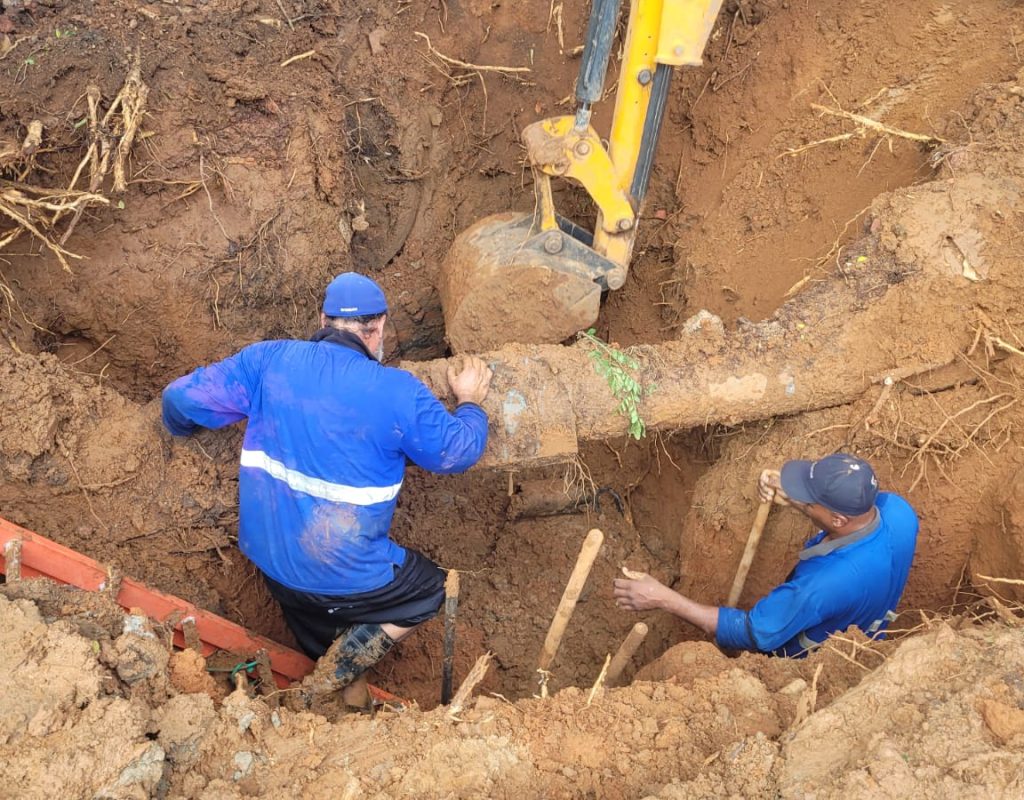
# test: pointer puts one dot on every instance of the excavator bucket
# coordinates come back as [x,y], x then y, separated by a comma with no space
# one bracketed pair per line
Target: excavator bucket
[507,280]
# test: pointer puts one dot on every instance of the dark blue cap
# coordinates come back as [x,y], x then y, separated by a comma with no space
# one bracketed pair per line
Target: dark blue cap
[841,482]
[354,295]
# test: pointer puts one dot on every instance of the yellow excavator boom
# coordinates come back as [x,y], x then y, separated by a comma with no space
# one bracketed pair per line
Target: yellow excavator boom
[542,259]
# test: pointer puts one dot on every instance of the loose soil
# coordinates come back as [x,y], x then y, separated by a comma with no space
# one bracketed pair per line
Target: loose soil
[938,714]
[251,183]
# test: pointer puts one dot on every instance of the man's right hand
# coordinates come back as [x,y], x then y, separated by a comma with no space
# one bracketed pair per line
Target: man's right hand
[638,591]
[470,382]
[769,487]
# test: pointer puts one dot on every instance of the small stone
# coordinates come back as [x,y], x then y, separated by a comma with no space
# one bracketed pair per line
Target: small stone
[376,40]
[137,624]
[486,703]
[704,322]
[141,777]
[1005,722]
[243,761]
[793,688]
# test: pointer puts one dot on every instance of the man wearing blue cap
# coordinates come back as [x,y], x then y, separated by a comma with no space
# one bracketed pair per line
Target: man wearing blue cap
[329,429]
[852,573]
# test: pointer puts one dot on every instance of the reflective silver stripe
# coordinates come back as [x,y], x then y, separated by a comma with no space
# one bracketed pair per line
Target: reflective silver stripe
[325,490]
[889,616]
[806,643]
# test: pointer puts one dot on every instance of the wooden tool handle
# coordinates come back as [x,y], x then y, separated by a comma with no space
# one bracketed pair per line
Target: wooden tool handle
[451,585]
[625,653]
[451,607]
[588,553]
[748,554]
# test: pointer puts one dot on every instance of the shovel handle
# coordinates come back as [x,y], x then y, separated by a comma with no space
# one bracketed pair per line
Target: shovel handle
[625,653]
[573,589]
[451,607]
[748,554]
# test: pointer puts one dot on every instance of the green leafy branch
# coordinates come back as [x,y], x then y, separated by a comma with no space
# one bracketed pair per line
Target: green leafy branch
[614,366]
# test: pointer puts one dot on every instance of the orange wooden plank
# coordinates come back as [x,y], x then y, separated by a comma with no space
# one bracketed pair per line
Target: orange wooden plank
[384,696]
[43,557]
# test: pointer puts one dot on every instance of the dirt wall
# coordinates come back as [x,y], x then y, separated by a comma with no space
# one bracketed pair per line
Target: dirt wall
[253,180]
[760,729]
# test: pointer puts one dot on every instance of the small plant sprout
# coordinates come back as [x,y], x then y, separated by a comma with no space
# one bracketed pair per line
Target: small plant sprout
[615,366]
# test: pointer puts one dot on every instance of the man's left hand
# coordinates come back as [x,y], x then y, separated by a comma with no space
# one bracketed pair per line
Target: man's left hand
[640,592]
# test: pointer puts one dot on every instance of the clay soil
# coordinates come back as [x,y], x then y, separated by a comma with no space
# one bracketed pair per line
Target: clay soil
[253,180]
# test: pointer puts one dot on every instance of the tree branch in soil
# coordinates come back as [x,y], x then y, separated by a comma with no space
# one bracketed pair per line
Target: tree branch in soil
[864,124]
[936,449]
[599,683]
[111,139]
[995,341]
[510,72]
[835,250]
[878,127]
[37,210]
[299,57]
[465,691]
[1011,581]
[26,212]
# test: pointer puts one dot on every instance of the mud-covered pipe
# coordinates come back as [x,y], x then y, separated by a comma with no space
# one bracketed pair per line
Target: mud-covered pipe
[824,349]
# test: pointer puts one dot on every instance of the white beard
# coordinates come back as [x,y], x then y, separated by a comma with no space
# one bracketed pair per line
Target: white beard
[380,351]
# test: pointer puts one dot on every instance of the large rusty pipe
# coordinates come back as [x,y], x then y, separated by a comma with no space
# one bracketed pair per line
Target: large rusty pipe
[818,351]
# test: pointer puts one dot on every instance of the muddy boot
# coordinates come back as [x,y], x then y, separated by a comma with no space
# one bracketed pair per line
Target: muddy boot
[354,652]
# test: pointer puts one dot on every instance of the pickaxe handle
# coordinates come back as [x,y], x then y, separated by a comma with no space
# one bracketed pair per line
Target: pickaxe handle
[748,554]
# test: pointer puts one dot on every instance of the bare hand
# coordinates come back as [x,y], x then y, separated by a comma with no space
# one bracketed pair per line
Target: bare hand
[638,591]
[470,381]
[769,488]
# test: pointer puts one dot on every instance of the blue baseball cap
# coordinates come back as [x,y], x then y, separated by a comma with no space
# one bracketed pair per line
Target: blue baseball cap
[354,295]
[840,482]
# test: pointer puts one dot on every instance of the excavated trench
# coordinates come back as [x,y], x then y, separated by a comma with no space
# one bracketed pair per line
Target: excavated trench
[255,184]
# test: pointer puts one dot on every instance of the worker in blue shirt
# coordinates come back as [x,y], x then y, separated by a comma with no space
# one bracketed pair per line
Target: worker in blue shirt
[851,573]
[329,429]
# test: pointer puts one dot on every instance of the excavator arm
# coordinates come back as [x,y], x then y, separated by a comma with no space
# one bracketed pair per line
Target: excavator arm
[538,277]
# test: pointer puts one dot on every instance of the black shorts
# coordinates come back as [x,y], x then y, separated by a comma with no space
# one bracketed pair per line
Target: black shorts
[414,596]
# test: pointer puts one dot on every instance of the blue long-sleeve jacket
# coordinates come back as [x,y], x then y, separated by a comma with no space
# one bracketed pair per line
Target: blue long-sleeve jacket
[329,430]
[856,580]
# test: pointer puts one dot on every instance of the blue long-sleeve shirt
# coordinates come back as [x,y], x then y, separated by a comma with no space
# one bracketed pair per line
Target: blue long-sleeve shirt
[855,580]
[329,430]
